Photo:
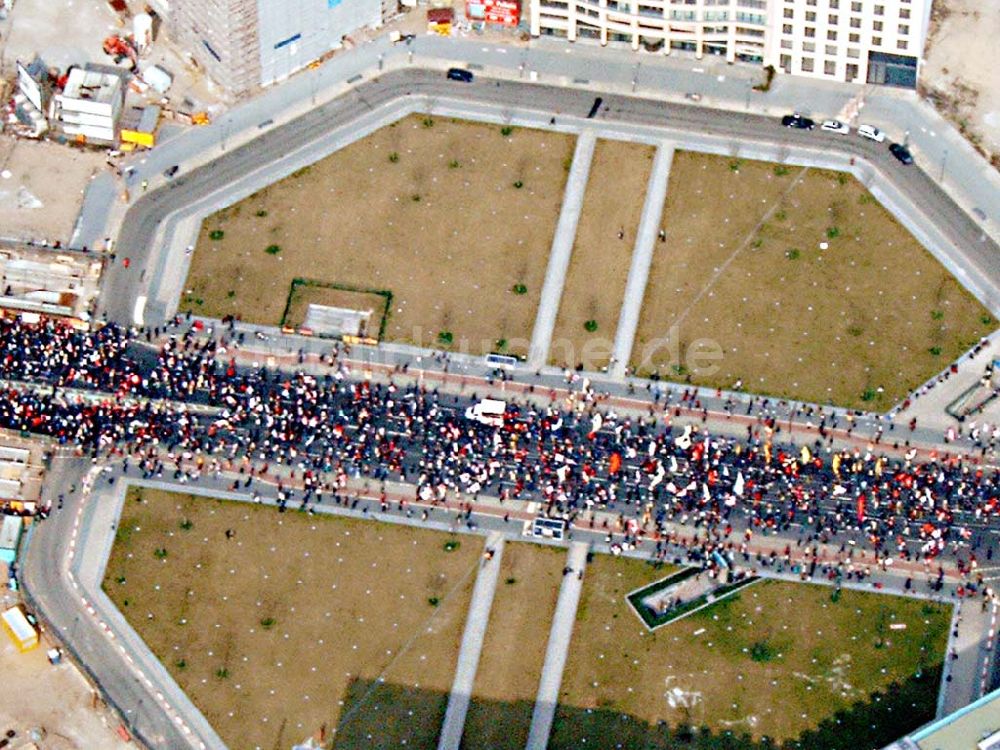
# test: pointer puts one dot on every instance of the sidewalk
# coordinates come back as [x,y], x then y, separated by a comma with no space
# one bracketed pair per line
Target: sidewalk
[472,643]
[558,648]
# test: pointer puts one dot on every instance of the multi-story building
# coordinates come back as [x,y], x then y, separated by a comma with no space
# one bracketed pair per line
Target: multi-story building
[245,44]
[875,41]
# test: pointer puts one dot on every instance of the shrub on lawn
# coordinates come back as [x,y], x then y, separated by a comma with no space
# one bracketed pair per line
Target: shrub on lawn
[451,545]
[216,234]
[186,524]
[222,673]
[506,130]
[762,652]
[261,213]
[267,623]
[160,553]
[427,122]
[937,314]
[780,170]
[520,289]
[272,249]
[454,164]
[590,326]
[793,254]
[445,337]
[433,601]
[518,184]
[832,233]
[394,157]
[935,351]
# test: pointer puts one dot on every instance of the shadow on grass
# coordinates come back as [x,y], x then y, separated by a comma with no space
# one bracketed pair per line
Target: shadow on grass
[383,715]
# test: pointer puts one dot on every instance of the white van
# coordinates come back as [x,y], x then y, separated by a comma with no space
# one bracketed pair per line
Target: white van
[871,132]
[489,411]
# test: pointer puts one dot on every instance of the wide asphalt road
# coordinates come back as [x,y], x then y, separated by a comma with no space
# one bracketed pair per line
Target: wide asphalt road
[970,248]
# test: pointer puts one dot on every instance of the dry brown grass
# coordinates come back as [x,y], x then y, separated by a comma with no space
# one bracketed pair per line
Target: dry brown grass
[742,266]
[813,657]
[441,225]
[270,632]
[599,265]
[514,648]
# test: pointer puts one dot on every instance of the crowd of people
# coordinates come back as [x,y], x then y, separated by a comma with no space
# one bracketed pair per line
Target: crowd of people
[114,392]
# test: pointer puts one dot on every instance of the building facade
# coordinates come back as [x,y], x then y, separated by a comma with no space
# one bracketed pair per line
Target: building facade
[873,41]
[245,44]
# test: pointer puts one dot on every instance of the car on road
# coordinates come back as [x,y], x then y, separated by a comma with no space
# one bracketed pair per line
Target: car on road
[460,74]
[901,152]
[798,121]
[835,126]
[871,132]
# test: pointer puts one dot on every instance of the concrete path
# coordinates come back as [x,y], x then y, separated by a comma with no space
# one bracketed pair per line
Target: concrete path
[971,630]
[558,648]
[472,645]
[562,247]
[642,259]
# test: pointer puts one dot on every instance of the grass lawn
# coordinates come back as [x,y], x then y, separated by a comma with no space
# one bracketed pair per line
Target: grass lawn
[271,632]
[775,660]
[599,265]
[743,266]
[514,648]
[449,216]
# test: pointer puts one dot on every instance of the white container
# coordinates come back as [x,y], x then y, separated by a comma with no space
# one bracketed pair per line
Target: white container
[142,30]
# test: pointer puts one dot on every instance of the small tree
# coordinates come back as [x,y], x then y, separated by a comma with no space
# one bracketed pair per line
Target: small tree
[272,249]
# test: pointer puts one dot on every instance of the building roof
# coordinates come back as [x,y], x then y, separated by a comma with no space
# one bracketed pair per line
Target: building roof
[965,729]
[92,85]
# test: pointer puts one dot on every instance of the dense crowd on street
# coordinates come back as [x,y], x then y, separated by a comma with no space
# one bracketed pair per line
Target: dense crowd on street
[115,393]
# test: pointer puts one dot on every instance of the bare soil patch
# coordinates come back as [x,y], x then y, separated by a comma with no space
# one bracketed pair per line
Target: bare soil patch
[858,323]
[271,630]
[514,648]
[449,216]
[599,265]
[749,666]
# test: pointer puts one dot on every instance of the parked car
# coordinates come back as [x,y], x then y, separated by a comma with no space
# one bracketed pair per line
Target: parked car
[901,152]
[798,121]
[871,132]
[836,126]
[460,74]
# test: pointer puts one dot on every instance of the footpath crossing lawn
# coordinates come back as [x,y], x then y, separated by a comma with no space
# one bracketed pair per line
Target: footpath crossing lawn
[778,660]
[455,219]
[293,622]
[514,648]
[807,285]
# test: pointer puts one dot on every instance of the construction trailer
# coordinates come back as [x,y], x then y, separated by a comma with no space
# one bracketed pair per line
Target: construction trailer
[23,634]
[90,104]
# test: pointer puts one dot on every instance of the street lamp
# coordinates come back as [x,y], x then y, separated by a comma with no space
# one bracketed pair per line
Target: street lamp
[944,160]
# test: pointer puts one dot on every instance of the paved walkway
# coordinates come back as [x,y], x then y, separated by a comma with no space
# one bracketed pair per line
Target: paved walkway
[642,259]
[472,645]
[562,247]
[962,681]
[558,648]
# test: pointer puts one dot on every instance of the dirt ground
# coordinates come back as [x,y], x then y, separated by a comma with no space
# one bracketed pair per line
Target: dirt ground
[859,323]
[959,73]
[514,648]
[55,699]
[745,665]
[599,265]
[444,227]
[41,197]
[271,631]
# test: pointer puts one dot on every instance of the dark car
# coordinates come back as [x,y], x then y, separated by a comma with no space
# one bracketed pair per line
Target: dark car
[460,74]
[901,152]
[171,171]
[798,121]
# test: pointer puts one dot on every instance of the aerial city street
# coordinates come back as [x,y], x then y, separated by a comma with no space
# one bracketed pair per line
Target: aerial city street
[500,374]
